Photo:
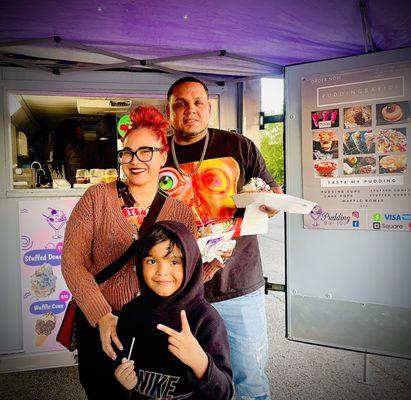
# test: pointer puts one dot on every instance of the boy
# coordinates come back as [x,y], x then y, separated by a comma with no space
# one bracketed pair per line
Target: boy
[181,348]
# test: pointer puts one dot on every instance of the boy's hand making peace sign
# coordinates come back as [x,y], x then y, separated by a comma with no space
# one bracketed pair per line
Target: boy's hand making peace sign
[186,347]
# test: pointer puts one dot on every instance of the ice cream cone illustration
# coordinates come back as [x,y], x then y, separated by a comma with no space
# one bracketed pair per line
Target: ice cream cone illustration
[369,140]
[44,327]
[40,339]
[356,137]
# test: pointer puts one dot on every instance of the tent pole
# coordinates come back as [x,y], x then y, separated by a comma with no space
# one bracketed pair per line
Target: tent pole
[252,60]
[26,41]
[92,49]
[186,57]
[23,63]
[368,41]
[257,76]
[98,67]
[240,107]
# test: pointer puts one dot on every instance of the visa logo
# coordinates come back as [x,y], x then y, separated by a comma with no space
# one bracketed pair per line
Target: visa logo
[392,217]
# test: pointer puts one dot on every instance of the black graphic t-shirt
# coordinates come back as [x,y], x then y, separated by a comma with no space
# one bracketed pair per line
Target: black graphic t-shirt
[230,161]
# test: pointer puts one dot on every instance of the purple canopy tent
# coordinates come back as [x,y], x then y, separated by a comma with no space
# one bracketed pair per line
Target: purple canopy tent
[259,37]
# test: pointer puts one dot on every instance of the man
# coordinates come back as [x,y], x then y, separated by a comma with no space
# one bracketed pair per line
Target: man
[205,167]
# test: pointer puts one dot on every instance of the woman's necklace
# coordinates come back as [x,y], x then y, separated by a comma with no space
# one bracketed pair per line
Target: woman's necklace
[136,212]
[173,152]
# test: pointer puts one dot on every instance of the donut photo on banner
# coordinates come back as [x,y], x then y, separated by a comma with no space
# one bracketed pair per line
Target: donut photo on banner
[396,112]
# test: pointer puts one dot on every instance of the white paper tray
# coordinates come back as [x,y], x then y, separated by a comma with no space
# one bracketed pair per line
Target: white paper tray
[282,202]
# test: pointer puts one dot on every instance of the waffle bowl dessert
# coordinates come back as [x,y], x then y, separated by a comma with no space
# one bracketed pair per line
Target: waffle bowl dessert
[255,185]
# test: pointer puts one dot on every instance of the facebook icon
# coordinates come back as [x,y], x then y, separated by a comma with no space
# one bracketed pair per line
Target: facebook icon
[356,224]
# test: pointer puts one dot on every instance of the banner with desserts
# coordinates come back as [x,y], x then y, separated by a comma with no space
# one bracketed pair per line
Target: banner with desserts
[44,292]
[355,152]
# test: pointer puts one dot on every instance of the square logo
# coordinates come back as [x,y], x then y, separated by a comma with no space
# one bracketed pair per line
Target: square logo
[376,225]
[356,224]
[376,217]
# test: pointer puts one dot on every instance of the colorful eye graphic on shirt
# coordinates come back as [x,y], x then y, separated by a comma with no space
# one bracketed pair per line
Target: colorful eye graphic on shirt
[172,182]
[208,191]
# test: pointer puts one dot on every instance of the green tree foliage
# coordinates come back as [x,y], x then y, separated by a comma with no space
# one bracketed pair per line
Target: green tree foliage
[272,149]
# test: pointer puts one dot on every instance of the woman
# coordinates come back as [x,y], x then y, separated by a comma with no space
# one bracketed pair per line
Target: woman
[68,149]
[100,229]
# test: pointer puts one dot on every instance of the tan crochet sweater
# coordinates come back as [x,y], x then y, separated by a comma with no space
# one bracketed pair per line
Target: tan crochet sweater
[97,233]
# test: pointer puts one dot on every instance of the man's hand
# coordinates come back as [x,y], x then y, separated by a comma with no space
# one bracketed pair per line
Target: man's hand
[108,332]
[186,347]
[272,211]
[125,374]
[268,210]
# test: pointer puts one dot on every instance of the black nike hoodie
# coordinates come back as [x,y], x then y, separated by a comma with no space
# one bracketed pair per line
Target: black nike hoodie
[160,374]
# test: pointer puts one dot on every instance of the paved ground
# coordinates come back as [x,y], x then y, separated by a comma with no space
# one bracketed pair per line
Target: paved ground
[297,371]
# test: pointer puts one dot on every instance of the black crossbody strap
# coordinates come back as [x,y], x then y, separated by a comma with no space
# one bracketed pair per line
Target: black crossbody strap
[150,218]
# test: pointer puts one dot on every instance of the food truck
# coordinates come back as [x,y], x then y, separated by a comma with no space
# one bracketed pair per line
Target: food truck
[36,201]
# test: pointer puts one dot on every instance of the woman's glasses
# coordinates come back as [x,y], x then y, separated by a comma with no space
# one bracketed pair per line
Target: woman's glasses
[144,154]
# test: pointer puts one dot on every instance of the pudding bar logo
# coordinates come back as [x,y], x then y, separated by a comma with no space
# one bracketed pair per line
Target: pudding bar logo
[328,218]
[336,218]
[316,213]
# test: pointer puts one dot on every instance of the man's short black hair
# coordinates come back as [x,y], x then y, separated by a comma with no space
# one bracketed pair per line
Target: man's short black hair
[184,80]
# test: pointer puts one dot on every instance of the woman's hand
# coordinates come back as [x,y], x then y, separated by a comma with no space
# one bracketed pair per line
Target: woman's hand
[225,255]
[225,250]
[125,374]
[108,332]
[186,347]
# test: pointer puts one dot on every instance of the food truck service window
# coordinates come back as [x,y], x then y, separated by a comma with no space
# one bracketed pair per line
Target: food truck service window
[63,142]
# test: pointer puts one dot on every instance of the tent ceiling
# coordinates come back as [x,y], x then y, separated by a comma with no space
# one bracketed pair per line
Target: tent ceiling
[278,32]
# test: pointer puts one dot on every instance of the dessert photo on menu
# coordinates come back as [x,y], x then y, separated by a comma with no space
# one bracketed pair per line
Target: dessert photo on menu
[392,164]
[325,144]
[325,169]
[359,165]
[357,117]
[393,113]
[325,119]
[392,140]
[358,142]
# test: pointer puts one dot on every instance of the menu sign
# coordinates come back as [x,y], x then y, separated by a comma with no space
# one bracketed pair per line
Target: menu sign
[44,292]
[355,130]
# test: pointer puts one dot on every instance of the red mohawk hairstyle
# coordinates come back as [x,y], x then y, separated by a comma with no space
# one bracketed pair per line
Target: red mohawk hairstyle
[149,117]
